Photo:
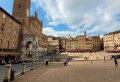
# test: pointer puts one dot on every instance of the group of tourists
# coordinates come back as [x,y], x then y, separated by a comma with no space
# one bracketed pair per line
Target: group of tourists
[115,60]
[65,61]
[3,62]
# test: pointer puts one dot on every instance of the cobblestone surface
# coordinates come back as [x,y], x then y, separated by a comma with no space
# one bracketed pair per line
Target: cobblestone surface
[98,71]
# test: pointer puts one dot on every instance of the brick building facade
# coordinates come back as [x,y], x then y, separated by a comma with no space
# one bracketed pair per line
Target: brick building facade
[9,34]
[20,34]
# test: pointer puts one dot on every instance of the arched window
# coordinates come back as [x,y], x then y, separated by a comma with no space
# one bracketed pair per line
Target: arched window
[31,26]
[4,16]
[15,32]
[13,44]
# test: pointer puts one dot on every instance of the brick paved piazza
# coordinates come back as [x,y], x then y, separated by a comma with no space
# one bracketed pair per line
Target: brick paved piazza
[84,71]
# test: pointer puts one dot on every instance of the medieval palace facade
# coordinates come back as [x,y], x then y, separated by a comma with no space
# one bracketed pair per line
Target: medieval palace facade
[21,34]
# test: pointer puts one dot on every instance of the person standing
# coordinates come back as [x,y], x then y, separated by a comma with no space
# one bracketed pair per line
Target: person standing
[115,61]
[46,62]
[3,62]
[65,62]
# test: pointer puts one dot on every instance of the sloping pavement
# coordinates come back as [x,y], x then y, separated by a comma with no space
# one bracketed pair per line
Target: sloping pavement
[97,71]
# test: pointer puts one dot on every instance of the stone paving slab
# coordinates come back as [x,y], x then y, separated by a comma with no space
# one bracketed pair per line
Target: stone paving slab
[98,71]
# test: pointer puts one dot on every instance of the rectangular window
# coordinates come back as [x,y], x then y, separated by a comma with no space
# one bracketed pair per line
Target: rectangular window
[15,32]
[19,6]
[8,42]
[0,42]
[9,29]
[2,26]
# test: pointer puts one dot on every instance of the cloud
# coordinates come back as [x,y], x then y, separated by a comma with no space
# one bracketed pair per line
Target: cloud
[95,15]
[51,31]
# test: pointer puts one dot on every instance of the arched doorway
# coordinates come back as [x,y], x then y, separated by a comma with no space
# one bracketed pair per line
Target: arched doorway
[29,49]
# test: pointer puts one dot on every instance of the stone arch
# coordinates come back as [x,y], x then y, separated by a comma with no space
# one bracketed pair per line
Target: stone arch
[28,48]
[28,43]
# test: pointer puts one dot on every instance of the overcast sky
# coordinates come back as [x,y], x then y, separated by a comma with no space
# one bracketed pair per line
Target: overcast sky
[72,17]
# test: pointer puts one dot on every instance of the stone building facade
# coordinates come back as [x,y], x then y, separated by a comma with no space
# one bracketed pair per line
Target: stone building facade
[82,44]
[112,41]
[54,43]
[117,40]
[44,44]
[71,45]
[62,43]
[76,44]
[89,44]
[108,42]
[96,42]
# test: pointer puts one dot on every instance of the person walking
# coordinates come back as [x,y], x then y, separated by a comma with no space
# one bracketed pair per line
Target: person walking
[110,58]
[104,59]
[65,62]
[115,61]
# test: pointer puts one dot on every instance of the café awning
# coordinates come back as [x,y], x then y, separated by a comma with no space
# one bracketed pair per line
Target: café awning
[9,53]
[75,50]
